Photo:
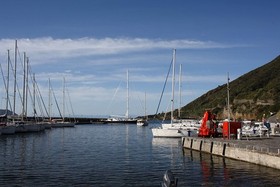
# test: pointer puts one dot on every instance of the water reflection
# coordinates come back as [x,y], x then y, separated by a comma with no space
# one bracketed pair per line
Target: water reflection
[116,155]
[220,171]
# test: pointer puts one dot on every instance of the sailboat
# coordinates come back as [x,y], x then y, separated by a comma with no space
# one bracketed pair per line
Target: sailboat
[175,129]
[142,121]
[123,119]
[6,126]
[55,123]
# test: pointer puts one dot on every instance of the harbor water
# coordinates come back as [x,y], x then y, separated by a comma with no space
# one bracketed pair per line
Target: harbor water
[117,155]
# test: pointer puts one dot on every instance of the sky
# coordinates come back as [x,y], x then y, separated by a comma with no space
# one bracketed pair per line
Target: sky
[91,44]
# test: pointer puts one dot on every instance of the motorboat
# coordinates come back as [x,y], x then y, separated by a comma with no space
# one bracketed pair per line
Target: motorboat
[59,123]
[142,122]
[120,120]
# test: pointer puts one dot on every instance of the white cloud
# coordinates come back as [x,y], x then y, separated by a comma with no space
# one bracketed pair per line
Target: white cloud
[93,68]
[50,49]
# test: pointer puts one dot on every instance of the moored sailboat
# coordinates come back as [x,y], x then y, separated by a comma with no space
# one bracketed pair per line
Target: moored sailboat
[114,119]
[169,129]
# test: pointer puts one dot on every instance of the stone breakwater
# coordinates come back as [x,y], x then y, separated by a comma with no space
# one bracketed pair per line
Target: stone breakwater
[261,151]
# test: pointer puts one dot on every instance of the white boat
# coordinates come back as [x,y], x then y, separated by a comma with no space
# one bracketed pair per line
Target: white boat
[168,130]
[60,123]
[183,123]
[256,129]
[123,119]
[190,131]
[167,133]
[120,120]
[142,122]
[177,128]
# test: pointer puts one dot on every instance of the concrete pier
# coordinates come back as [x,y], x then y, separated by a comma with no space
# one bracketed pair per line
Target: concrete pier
[261,151]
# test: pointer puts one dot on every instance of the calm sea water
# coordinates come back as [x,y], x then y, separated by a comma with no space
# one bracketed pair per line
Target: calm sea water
[117,155]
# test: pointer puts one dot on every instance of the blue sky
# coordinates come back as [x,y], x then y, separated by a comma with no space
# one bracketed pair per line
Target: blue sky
[93,43]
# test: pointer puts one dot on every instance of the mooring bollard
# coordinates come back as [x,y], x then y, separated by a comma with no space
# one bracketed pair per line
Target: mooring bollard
[239,134]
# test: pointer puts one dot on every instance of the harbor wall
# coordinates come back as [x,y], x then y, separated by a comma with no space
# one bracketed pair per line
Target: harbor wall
[228,150]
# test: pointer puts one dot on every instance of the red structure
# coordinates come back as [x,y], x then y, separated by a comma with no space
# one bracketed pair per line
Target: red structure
[208,126]
[230,129]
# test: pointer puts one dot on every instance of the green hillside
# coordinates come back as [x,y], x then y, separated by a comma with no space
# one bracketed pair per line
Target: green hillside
[251,95]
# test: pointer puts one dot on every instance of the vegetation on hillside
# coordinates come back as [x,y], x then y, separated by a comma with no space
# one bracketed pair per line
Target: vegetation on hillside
[251,96]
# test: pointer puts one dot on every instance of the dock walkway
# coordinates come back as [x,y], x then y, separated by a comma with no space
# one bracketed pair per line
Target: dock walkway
[263,151]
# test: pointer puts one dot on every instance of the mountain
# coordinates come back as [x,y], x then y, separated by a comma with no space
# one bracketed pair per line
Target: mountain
[3,111]
[251,96]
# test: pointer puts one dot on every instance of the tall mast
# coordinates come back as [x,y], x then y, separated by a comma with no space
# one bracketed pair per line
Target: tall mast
[63,112]
[34,97]
[127,95]
[180,90]
[24,86]
[7,85]
[15,79]
[173,81]
[228,107]
[50,98]
[145,107]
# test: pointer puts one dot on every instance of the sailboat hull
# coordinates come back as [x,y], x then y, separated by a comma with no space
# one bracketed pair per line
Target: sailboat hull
[9,129]
[167,133]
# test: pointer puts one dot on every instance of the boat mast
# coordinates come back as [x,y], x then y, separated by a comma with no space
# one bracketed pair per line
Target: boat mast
[145,108]
[63,112]
[180,90]
[127,94]
[228,107]
[173,81]
[7,85]
[15,79]
[34,97]
[24,86]
[49,99]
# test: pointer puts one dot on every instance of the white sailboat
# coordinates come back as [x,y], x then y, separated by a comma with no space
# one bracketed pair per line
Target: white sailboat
[58,123]
[170,131]
[143,122]
[6,126]
[123,119]
[188,124]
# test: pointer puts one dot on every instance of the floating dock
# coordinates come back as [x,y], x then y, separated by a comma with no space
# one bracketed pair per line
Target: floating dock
[263,151]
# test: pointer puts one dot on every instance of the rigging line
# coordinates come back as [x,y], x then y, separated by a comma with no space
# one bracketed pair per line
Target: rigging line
[4,81]
[37,98]
[41,98]
[56,101]
[71,106]
[164,85]
[17,85]
[39,104]
[113,98]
